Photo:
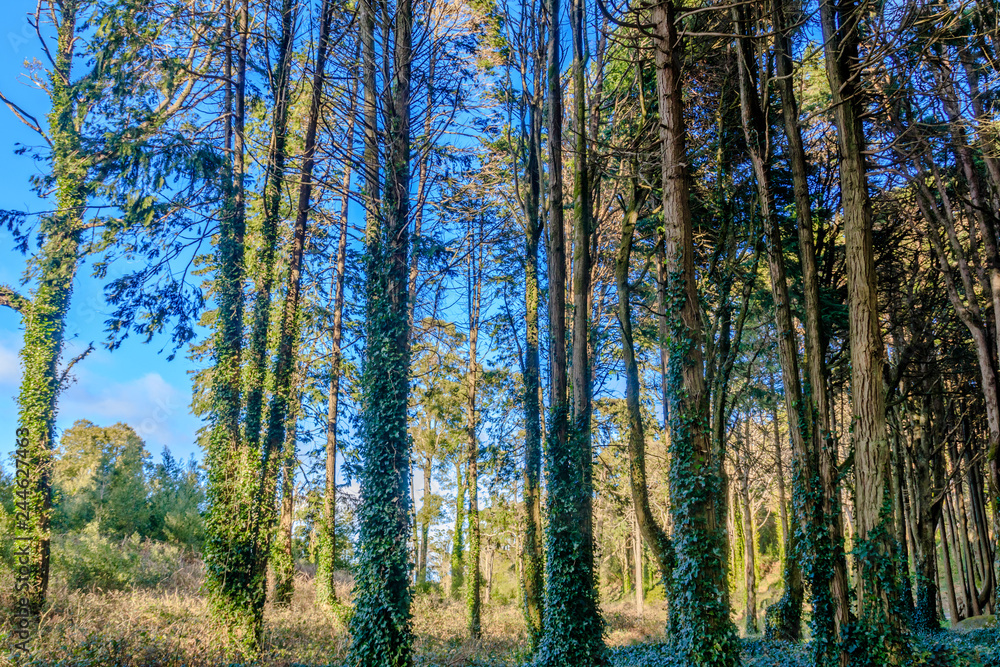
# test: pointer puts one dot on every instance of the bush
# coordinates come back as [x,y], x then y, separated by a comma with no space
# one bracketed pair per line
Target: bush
[89,560]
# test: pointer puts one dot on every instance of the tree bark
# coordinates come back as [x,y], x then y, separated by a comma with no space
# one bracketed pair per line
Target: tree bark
[381,625]
[706,635]
[652,533]
[533,567]
[473,293]
[325,584]
[457,543]
[815,391]
[876,604]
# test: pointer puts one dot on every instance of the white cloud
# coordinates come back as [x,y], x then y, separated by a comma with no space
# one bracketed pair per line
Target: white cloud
[157,410]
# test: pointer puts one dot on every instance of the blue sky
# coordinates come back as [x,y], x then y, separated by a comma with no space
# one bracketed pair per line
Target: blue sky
[134,384]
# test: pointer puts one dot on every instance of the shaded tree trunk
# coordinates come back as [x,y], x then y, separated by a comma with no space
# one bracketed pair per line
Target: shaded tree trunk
[833,575]
[653,534]
[878,599]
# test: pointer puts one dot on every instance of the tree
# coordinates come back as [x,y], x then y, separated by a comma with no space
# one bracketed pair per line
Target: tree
[108,98]
[380,627]
[878,596]
[707,636]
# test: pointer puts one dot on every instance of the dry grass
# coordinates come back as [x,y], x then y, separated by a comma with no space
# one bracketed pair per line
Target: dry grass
[171,626]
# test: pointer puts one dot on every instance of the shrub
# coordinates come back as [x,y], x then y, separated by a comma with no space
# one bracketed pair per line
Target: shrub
[89,560]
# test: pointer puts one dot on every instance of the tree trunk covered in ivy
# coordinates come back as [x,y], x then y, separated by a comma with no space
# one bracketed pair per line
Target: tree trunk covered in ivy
[457,539]
[44,314]
[327,556]
[243,513]
[706,635]
[274,183]
[881,626]
[235,583]
[474,289]
[573,633]
[785,621]
[282,559]
[381,630]
[533,565]
[830,595]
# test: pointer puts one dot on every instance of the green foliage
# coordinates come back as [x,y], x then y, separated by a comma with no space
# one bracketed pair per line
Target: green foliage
[88,559]
[876,637]
[99,476]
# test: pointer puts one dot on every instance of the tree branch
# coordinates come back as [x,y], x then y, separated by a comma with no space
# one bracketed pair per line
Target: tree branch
[11,299]
[64,377]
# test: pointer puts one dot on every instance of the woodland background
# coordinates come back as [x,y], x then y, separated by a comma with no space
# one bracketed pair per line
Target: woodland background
[601,334]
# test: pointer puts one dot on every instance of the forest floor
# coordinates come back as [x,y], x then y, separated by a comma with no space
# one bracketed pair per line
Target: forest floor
[171,627]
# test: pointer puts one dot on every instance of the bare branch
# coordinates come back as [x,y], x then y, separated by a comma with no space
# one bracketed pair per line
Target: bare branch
[26,118]
[64,377]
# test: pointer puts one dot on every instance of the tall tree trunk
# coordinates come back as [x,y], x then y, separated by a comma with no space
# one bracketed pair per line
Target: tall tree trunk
[235,583]
[533,568]
[653,534]
[457,541]
[815,391]
[325,585]
[274,184]
[787,620]
[281,406]
[474,288]
[573,632]
[568,638]
[706,634]
[380,625]
[878,598]
[44,319]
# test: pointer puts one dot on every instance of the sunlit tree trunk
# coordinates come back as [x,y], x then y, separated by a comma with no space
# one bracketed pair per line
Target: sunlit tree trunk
[44,315]
[706,634]
[381,626]
[274,184]
[325,589]
[533,568]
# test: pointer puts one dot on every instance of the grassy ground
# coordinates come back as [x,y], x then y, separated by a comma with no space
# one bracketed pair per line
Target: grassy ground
[170,627]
